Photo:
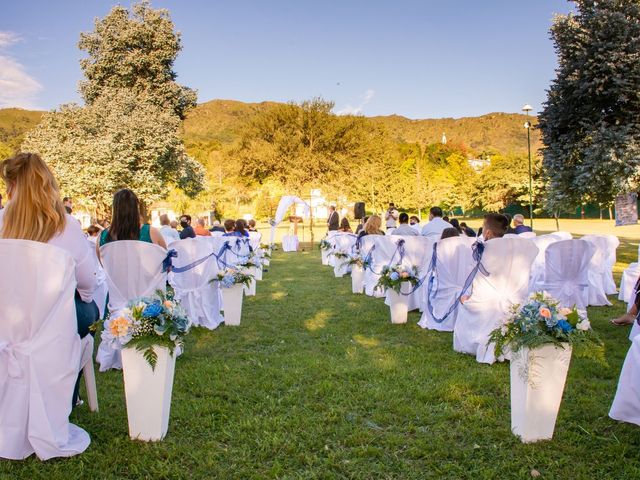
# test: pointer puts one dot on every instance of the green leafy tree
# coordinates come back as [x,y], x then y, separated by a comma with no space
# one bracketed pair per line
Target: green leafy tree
[127,134]
[590,125]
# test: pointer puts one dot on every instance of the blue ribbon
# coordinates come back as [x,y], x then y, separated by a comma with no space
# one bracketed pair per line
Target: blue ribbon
[478,252]
[166,263]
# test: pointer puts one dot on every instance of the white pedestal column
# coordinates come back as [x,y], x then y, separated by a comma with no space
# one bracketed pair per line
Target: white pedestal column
[148,393]
[537,382]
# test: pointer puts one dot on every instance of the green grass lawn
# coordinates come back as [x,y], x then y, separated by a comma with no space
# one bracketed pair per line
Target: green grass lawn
[317,383]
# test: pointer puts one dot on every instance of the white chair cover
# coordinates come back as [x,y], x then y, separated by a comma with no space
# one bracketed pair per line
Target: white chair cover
[508,262]
[567,273]
[454,264]
[417,253]
[600,270]
[200,299]
[626,403]
[239,248]
[102,289]
[342,243]
[290,243]
[40,352]
[384,249]
[628,282]
[538,267]
[529,235]
[563,235]
[133,269]
[254,240]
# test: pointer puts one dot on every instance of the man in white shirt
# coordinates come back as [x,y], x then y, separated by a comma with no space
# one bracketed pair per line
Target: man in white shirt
[391,217]
[405,228]
[169,234]
[436,224]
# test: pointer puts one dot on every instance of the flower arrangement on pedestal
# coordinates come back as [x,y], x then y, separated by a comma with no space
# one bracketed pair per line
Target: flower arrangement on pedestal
[325,245]
[393,276]
[540,336]
[147,322]
[232,276]
[541,321]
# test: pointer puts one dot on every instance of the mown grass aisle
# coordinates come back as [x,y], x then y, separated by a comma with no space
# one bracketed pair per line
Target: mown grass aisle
[317,383]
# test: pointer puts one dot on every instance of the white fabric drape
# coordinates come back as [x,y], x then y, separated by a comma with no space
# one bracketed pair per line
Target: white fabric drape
[626,404]
[600,270]
[538,267]
[199,298]
[283,206]
[40,352]
[508,262]
[454,264]
[133,269]
[628,282]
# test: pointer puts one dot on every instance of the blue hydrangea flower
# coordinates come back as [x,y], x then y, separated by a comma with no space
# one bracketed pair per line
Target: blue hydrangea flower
[394,276]
[228,280]
[564,326]
[152,310]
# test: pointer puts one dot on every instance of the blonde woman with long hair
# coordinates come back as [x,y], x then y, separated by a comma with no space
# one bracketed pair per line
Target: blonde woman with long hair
[372,227]
[34,211]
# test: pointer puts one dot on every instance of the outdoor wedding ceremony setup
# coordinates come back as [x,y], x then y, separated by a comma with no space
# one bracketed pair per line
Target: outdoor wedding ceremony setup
[348,272]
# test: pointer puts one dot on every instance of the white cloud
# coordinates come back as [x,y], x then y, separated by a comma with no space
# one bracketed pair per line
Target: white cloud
[17,87]
[358,109]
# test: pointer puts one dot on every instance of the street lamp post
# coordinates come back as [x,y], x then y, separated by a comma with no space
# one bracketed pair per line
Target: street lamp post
[527,108]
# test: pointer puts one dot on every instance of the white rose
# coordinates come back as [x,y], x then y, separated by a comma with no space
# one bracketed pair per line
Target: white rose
[584,325]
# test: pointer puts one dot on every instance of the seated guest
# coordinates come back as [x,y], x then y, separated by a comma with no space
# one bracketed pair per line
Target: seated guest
[468,231]
[251,226]
[361,225]
[35,212]
[456,224]
[93,232]
[629,317]
[187,230]
[496,289]
[174,224]
[239,229]
[229,226]
[200,229]
[445,218]
[414,222]
[216,227]
[520,227]
[372,227]
[509,228]
[127,222]
[404,228]
[344,226]
[68,204]
[169,234]
[449,232]
[436,224]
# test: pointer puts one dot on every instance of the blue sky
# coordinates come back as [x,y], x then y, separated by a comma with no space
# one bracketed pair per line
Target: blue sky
[417,58]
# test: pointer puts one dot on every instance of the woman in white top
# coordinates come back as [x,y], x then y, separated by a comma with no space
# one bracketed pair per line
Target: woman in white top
[35,212]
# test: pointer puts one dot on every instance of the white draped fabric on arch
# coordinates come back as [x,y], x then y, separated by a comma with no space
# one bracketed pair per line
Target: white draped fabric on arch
[283,207]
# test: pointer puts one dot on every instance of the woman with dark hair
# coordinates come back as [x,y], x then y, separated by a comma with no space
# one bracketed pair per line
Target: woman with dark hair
[240,229]
[456,224]
[344,226]
[449,232]
[127,223]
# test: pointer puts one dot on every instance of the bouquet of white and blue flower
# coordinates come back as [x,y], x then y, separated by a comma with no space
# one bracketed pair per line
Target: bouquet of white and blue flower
[356,260]
[325,244]
[232,276]
[541,321]
[247,261]
[147,322]
[393,276]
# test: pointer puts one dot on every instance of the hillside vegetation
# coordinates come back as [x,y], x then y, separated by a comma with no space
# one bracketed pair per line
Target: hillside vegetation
[223,120]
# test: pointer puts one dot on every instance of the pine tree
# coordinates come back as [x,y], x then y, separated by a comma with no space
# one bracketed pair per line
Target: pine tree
[591,120]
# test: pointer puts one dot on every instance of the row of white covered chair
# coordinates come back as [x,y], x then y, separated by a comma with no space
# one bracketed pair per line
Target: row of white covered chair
[134,269]
[566,269]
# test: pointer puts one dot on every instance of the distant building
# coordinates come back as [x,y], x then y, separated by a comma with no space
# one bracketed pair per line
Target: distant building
[479,163]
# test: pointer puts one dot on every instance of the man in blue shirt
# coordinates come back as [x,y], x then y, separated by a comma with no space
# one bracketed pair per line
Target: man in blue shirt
[520,227]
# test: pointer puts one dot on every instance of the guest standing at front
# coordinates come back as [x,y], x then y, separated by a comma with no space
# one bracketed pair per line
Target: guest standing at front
[333,222]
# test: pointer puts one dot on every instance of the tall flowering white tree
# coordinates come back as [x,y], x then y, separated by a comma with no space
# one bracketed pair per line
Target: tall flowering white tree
[127,132]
